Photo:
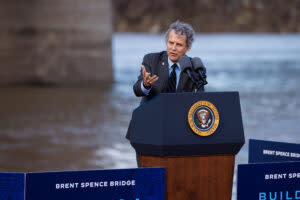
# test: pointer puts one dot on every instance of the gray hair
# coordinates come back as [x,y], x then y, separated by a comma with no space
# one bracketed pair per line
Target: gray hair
[181,28]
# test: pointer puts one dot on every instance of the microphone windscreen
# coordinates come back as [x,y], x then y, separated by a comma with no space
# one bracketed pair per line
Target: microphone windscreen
[185,63]
[197,63]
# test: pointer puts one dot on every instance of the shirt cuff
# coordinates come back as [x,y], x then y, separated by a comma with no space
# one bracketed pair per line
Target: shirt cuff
[145,91]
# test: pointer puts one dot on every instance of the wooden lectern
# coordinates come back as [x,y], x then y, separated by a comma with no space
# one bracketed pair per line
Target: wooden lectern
[197,167]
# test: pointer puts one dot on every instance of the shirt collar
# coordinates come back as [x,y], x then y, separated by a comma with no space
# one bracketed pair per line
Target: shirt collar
[172,63]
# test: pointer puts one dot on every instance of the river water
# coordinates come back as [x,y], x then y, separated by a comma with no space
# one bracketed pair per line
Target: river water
[76,128]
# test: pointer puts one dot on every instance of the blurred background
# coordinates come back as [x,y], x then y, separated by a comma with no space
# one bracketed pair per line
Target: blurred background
[67,68]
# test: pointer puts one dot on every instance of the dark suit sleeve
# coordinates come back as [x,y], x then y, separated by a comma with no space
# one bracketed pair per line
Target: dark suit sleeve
[137,86]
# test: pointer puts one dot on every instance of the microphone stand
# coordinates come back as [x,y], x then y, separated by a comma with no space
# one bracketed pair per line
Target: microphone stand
[199,82]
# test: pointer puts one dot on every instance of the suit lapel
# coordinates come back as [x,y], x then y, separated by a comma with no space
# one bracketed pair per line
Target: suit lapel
[163,71]
[182,81]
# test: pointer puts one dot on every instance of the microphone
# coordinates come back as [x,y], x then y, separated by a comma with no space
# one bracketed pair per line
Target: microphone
[186,66]
[200,69]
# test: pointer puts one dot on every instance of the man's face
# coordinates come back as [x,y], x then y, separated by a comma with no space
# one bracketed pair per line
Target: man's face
[176,46]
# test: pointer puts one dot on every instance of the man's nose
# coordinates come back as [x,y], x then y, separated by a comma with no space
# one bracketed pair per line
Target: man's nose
[174,47]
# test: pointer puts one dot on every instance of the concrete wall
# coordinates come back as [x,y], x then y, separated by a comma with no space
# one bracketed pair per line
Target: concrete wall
[55,41]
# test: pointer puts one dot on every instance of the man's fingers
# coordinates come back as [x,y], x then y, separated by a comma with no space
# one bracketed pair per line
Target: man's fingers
[143,71]
[147,76]
[153,79]
[148,79]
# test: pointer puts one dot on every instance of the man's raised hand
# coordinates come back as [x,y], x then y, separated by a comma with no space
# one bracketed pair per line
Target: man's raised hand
[148,79]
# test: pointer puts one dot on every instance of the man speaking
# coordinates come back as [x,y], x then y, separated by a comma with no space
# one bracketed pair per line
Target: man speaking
[164,71]
[171,70]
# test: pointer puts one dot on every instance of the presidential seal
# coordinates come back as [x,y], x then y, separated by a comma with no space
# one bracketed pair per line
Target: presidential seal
[203,118]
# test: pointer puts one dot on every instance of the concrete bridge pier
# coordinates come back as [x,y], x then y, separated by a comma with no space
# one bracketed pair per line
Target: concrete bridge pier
[55,41]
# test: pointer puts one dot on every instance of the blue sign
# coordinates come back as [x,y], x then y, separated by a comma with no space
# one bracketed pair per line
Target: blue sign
[125,184]
[266,151]
[12,186]
[269,181]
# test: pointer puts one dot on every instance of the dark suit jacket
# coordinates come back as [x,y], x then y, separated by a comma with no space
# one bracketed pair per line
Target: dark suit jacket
[157,63]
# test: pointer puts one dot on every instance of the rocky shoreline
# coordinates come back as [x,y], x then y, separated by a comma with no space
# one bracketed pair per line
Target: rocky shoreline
[154,16]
